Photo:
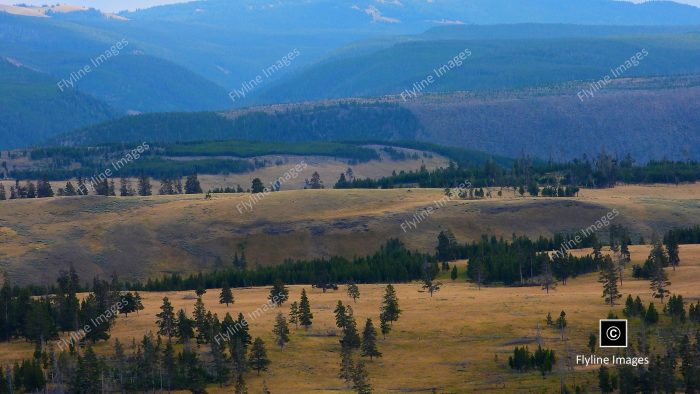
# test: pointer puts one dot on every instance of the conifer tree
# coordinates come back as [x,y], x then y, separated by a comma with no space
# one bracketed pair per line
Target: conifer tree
[281,331]
[258,356]
[659,282]
[305,315]
[192,185]
[360,379]
[166,319]
[294,314]
[369,341]
[144,185]
[200,321]
[226,296]
[651,316]
[384,325]
[672,251]
[608,277]
[340,315]
[390,305]
[346,364]
[221,369]
[351,338]
[279,293]
[454,274]
[185,330]
[169,371]
[353,291]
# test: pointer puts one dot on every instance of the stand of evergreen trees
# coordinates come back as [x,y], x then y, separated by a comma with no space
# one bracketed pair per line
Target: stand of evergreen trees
[392,263]
[557,179]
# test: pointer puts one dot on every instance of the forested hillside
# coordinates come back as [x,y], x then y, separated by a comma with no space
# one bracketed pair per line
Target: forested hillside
[33,109]
[544,123]
[344,121]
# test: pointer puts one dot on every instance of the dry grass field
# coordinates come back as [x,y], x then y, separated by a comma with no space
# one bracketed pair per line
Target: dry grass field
[146,237]
[458,341]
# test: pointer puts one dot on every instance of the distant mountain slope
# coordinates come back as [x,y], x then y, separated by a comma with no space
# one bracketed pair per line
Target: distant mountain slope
[503,62]
[32,108]
[650,118]
[648,123]
[230,42]
[130,80]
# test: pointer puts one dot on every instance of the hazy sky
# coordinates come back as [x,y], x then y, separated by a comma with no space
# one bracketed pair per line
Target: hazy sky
[119,5]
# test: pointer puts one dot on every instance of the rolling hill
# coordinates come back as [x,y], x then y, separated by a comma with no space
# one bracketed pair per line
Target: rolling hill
[187,234]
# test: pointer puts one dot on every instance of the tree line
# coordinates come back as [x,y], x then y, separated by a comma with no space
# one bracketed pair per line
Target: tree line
[549,179]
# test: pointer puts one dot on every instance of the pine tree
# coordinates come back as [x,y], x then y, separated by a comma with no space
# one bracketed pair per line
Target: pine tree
[200,290]
[201,322]
[604,380]
[608,277]
[3,194]
[258,356]
[144,185]
[353,291]
[346,364]
[281,331]
[305,315]
[226,296]
[351,338]
[185,329]
[86,378]
[360,379]
[169,369]
[294,314]
[390,305]
[279,293]
[651,316]
[340,315]
[166,319]
[220,366]
[592,342]
[659,282]
[454,274]
[192,185]
[549,320]
[384,325]
[672,251]
[257,186]
[369,341]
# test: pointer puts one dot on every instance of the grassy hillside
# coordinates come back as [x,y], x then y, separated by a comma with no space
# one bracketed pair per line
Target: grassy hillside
[459,339]
[32,108]
[188,233]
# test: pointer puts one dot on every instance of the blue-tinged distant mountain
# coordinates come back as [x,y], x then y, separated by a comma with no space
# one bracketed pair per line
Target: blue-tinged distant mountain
[131,79]
[32,108]
[230,42]
[500,57]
